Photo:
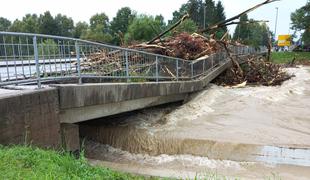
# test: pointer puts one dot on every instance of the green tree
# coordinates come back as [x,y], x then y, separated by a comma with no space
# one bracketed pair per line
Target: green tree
[4,24]
[99,29]
[143,28]
[252,33]
[65,25]
[47,24]
[211,13]
[30,23]
[17,26]
[220,16]
[203,13]
[101,20]
[79,29]
[176,15]
[120,23]
[160,19]
[242,30]
[301,22]
[186,26]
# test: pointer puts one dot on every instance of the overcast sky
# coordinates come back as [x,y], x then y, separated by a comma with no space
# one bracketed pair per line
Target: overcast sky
[82,10]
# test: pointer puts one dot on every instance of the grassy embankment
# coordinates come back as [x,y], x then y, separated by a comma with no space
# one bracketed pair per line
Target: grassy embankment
[22,162]
[286,57]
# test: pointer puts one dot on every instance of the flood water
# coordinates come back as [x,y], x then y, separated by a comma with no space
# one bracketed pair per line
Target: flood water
[251,133]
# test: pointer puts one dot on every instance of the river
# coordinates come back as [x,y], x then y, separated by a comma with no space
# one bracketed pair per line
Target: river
[250,133]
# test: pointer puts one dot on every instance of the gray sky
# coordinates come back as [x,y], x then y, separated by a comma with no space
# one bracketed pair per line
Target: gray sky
[82,10]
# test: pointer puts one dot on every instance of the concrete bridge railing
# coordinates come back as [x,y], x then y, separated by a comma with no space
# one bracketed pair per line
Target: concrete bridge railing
[35,58]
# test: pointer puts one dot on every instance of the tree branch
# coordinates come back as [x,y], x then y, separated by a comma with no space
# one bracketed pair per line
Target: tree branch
[222,23]
[169,29]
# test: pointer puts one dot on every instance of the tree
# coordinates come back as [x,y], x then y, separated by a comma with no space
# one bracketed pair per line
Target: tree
[97,35]
[65,25]
[242,30]
[178,14]
[17,26]
[220,16]
[252,33]
[99,20]
[79,29]
[211,13]
[202,13]
[301,22]
[4,24]
[160,19]
[47,24]
[188,26]
[30,23]
[143,28]
[120,23]
[99,29]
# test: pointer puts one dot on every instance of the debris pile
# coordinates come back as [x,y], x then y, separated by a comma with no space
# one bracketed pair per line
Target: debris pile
[255,71]
[184,45]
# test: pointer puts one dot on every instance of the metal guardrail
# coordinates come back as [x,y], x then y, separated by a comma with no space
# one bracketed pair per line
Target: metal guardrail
[36,58]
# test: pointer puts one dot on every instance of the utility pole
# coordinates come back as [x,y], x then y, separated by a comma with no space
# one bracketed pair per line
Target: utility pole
[276,24]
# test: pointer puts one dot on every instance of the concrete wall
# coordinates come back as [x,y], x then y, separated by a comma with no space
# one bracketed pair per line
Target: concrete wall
[31,117]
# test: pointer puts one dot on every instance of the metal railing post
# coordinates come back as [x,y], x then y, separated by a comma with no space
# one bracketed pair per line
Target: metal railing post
[192,70]
[177,70]
[157,74]
[77,49]
[36,58]
[203,66]
[127,65]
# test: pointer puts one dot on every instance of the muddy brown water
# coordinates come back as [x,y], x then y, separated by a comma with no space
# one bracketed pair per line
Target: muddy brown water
[252,132]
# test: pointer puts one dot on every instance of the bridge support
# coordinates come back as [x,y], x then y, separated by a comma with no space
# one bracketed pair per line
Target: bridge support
[70,137]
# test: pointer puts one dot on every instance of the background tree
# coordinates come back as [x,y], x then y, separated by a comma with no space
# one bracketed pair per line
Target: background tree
[242,30]
[65,25]
[220,16]
[202,13]
[79,29]
[252,33]
[17,26]
[176,15]
[301,22]
[120,23]
[30,23]
[142,28]
[47,24]
[99,29]
[4,24]
[188,26]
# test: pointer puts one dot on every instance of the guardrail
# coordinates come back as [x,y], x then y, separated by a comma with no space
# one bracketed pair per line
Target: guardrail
[36,58]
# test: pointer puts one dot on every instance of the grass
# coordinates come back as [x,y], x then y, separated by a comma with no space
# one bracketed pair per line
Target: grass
[285,57]
[28,162]
[25,162]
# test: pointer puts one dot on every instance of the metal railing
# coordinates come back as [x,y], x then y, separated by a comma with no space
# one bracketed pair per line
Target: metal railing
[35,58]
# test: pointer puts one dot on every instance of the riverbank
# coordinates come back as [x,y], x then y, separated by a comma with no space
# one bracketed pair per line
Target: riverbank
[25,162]
[287,57]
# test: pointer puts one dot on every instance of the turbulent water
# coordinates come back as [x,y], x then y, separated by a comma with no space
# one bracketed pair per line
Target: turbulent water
[231,130]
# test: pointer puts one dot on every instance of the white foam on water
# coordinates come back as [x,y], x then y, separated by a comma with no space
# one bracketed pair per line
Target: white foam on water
[164,159]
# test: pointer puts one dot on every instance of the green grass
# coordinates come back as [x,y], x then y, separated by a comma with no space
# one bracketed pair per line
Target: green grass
[285,57]
[21,162]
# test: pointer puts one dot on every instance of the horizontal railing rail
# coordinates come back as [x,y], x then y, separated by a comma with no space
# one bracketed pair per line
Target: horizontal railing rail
[36,58]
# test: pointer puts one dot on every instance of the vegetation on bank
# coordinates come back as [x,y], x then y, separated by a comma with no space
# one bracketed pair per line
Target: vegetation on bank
[287,57]
[25,162]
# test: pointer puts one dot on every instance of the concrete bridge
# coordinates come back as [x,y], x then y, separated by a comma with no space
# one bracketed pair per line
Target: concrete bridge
[73,93]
